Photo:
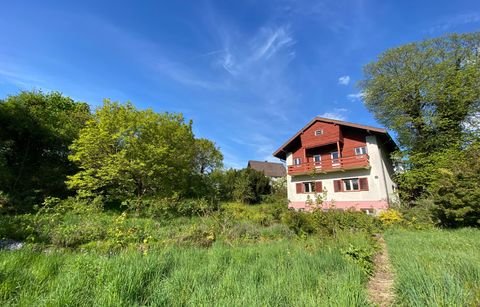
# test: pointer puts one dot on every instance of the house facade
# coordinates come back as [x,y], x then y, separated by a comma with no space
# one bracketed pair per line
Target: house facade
[346,162]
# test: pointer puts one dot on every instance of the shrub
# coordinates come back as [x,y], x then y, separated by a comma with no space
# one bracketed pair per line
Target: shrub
[363,256]
[300,222]
[332,221]
[4,200]
[391,217]
[170,207]
[198,235]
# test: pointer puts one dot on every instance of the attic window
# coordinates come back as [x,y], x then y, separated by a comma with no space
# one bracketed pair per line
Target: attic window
[318,132]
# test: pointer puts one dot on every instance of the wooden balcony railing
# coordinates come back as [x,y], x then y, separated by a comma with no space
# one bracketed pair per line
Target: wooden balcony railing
[330,165]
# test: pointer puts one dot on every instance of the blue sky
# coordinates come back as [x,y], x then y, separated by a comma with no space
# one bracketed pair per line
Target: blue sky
[248,73]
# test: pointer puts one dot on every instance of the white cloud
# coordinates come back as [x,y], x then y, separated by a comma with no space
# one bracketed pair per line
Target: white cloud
[344,80]
[333,115]
[356,96]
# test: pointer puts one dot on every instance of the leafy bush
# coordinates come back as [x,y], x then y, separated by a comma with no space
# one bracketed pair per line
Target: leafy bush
[170,207]
[70,222]
[264,214]
[363,256]
[4,200]
[390,217]
[16,227]
[198,235]
[300,222]
[330,222]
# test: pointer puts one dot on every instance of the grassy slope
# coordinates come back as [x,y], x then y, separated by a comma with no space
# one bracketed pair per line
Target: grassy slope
[285,273]
[435,267]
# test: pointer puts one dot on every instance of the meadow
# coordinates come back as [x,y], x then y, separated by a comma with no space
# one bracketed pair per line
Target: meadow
[240,255]
[284,273]
[436,267]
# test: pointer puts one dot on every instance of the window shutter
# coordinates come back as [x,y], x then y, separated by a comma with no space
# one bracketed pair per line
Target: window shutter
[337,185]
[299,188]
[318,186]
[364,184]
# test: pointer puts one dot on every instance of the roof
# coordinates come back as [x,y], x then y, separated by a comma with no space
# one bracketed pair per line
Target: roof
[281,154]
[270,169]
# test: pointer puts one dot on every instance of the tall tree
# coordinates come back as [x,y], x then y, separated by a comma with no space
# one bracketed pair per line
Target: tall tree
[207,156]
[124,153]
[427,91]
[36,130]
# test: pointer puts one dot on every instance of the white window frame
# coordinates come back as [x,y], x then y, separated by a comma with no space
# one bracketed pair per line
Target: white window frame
[335,161]
[297,161]
[348,184]
[318,163]
[310,185]
[318,132]
[361,150]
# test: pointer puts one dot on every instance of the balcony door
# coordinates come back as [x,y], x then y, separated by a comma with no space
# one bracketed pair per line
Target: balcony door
[317,161]
[335,156]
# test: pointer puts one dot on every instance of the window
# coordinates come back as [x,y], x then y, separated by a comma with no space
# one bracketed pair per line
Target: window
[317,160]
[309,187]
[335,158]
[318,132]
[351,184]
[297,161]
[361,150]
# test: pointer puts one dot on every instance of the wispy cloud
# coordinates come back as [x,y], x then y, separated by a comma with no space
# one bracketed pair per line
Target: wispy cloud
[337,113]
[271,41]
[344,80]
[450,22]
[356,96]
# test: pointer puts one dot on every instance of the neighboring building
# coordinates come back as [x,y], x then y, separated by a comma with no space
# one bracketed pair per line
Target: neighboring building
[351,162]
[269,169]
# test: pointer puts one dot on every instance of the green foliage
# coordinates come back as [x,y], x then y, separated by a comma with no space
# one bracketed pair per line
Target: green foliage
[207,156]
[390,217]
[170,207]
[435,267]
[362,256]
[455,188]
[331,222]
[250,185]
[125,153]
[426,91]
[4,201]
[37,129]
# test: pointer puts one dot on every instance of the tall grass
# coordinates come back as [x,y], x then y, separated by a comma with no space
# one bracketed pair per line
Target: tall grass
[436,267]
[284,273]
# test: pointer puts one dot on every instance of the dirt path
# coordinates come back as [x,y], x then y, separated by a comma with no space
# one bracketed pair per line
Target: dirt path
[380,287]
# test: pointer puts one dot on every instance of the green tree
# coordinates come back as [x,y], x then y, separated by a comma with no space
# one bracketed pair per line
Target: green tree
[208,157]
[455,188]
[250,186]
[426,91]
[36,130]
[127,153]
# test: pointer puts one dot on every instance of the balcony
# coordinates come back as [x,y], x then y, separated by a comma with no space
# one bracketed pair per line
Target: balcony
[328,166]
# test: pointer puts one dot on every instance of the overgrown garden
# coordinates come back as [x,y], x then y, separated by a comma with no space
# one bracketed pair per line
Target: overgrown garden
[122,206]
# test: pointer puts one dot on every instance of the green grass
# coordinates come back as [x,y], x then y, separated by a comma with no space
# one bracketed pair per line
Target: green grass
[436,267]
[284,273]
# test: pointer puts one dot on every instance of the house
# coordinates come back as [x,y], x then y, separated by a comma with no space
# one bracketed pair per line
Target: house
[269,169]
[349,162]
